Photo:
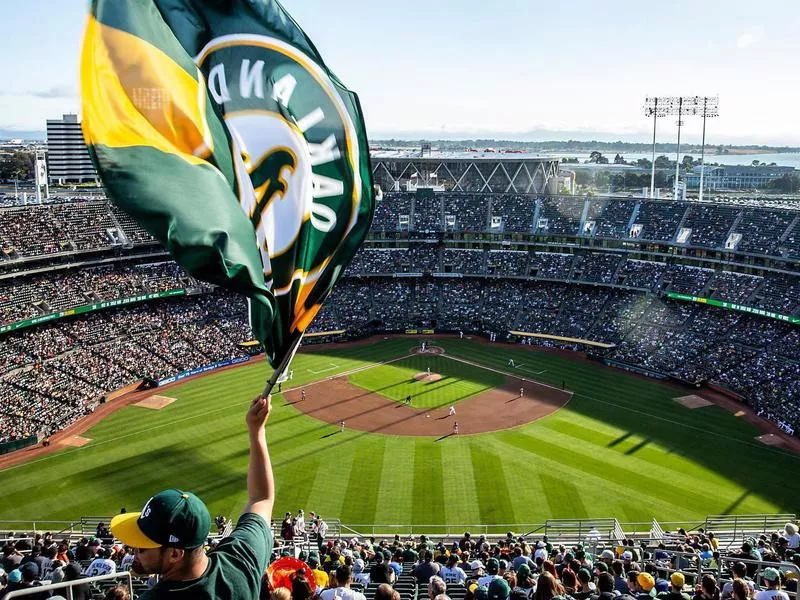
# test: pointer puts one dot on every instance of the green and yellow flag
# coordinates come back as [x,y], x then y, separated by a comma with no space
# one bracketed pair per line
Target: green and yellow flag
[218,127]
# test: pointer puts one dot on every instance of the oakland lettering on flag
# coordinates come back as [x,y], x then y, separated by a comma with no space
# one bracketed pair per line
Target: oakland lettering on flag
[219,128]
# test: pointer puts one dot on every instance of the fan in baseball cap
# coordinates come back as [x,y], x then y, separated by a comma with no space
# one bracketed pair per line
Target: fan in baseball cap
[170,518]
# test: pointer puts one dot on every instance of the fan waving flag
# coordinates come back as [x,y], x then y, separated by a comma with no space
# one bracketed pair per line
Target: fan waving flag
[218,127]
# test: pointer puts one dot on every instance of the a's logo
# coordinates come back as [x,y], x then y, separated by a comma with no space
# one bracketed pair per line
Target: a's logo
[146,510]
[295,151]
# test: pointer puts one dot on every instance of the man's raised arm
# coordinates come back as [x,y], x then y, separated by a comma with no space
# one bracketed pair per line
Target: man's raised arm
[260,482]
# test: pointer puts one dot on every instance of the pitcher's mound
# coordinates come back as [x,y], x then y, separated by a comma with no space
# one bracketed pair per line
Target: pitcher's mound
[425,378]
[155,402]
[693,401]
[76,441]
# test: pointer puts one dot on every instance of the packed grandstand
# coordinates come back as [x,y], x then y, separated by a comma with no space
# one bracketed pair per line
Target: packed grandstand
[708,294]
[566,561]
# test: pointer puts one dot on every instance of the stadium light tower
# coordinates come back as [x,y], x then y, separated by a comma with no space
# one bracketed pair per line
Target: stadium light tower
[663,106]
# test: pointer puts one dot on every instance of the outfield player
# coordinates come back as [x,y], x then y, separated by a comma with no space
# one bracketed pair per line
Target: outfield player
[171,530]
[341,426]
[521,392]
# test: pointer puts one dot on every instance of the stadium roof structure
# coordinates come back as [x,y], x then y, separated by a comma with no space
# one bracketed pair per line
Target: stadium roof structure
[487,154]
[464,172]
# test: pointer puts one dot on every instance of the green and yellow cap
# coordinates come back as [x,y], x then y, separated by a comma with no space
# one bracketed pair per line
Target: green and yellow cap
[170,518]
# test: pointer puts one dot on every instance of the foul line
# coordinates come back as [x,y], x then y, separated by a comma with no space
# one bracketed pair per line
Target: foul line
[507,374]
[189,418]
[331,368]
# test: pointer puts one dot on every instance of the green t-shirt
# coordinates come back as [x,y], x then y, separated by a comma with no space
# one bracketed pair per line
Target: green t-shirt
[234,569]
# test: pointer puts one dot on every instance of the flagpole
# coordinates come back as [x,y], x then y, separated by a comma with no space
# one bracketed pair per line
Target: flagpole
[281,367]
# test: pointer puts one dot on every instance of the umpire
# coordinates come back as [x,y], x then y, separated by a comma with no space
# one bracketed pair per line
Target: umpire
[169,534]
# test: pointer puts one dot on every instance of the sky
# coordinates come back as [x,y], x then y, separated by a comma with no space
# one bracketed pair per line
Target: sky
[510,69]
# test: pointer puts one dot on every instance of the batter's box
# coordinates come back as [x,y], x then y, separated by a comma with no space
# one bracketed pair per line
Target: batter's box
[155,402]
[693,402]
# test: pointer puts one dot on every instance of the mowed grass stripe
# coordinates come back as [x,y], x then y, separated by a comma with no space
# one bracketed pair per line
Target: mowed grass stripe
[459,482]
[361,499]
[395,503]
[494,500]
[427,498]
[200,443]
[652,496]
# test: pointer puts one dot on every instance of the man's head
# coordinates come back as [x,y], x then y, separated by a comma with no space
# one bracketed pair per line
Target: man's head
[499,589]
[770,575]
[29,571]
[344,575]
[492,566]
[605,582]
[167,534]
[677,580]
[436,586]
[645,582]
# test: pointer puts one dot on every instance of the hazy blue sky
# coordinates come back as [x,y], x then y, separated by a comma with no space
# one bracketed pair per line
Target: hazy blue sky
[501,67]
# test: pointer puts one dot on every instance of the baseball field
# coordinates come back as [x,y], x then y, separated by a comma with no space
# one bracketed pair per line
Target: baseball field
[548,436]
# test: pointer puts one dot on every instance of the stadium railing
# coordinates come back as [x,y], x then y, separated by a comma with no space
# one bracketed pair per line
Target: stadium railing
[735,528]
[68,585]
[721,571]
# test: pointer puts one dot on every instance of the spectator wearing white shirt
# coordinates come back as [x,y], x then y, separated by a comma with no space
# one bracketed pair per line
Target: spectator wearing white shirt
[344,577]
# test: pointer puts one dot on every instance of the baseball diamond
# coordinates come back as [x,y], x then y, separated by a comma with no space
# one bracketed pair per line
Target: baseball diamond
[620,446]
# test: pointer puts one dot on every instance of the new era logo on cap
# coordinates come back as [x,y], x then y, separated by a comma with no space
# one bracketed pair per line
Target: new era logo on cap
[173,539]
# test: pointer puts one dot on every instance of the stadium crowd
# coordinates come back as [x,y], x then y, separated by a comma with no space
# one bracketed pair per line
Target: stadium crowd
[96,224]
[308,562]
[51,374]
[54,374]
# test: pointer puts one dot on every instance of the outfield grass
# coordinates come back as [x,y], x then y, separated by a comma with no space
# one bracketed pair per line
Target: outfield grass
[396,381]
[621,447]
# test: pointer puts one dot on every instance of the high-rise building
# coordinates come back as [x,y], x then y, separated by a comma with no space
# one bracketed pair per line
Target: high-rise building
[68,159]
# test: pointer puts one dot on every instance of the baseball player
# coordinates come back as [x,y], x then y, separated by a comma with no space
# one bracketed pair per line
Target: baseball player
[452,411]
[302,394]
[521,392]
[341,426]
[455,428]
[429,370]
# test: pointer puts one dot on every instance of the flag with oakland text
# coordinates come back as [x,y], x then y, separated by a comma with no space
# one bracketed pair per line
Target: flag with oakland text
[218,127]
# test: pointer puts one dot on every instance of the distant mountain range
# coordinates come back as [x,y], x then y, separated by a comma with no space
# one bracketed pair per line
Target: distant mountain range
[602,142]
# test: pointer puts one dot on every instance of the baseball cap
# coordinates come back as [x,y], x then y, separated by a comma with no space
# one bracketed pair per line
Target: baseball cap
[609,554]
[677,579]
[524,571]
[170,518]
[769,574]
[646,581]
[499,589]
[482,593]
[15,576]
[29,570]
[601,566]
[492,565]
[627,555]
[475,565]
[584,575]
